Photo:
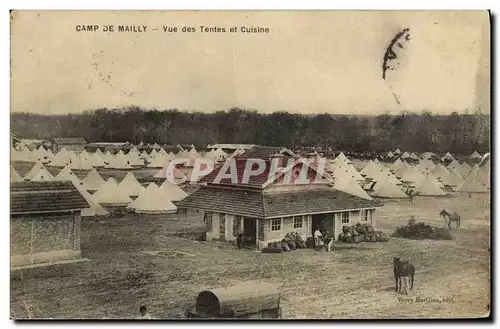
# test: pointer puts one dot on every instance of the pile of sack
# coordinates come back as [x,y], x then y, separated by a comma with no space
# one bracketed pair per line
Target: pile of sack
[362,232]
[290,242]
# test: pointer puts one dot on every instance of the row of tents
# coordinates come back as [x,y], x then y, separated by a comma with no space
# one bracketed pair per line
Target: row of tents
[398,179]
[428,155]
[133,159]
[101,193]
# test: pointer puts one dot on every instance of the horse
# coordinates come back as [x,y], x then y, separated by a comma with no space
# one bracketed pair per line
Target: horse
[451,218]
[404,277]
[403,269]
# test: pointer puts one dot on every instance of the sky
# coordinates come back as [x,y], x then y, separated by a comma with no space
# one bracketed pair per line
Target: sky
[309,62]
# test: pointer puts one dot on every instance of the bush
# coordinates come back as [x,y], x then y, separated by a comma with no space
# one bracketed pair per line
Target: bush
[420,230]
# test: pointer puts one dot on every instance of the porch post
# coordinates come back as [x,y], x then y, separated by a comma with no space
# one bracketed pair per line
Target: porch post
[257,233]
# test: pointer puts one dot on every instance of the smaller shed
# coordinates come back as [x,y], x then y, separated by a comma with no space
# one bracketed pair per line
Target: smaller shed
[70,144]
[250,299]
[45,222]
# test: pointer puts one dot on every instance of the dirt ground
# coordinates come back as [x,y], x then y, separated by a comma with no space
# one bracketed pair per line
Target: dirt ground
[452,277]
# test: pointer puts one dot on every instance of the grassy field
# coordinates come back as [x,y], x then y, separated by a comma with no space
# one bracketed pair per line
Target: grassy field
[345,283]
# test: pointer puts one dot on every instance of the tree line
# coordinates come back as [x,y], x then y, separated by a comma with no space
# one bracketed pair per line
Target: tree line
[456,133]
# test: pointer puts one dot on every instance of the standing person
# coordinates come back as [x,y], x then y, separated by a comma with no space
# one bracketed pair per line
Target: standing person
[239,241]
[317,237]
[144,313]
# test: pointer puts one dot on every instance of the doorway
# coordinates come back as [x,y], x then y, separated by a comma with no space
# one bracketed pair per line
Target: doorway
[249,231]
[323,222]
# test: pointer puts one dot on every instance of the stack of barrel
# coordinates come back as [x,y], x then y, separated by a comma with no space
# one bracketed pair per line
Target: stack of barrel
[362,232]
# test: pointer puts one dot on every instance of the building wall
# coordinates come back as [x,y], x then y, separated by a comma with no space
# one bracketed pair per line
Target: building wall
[354,218]
[286,227]
[215,231]
[267,235]
[68,147]
[49,238]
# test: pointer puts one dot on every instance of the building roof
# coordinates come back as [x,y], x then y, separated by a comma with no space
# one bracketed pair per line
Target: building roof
[70,140]
[230,146]
[254,203]
[264,152]
[45,197]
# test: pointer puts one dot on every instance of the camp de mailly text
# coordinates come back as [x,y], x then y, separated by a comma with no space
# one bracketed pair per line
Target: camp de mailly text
[170,29]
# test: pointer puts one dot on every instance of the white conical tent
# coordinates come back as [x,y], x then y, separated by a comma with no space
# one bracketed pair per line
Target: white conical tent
[411,174]
[386,175]
[385,189]
[42,155]
[351,170]
[423,165]
[342,158]
[110,194]
[67,175]
[25,155]
[160,161]
[474,182]
[466,167]
[95,208]
[447,157]
[376,162]
[121,161]
[476,155]
[92,181]
[426,186]
[369,169]
[344,182]
[219,154]
[162,151]
[109,159]
[398,151]
[34,170]
[14,176]
[14,155]
[134,158]
[397,164]
[405,155]
[84,155]
[97,160]
[152,201]
[390,155]
[61,159]
[100,153]
[402,170]
[153,153]
[43,175]
[130,185]
[151,186]
[83,163]
[182,155]
[414,156]
[454,179]
[462,170]
[433,179]
[440,172]
[172,192]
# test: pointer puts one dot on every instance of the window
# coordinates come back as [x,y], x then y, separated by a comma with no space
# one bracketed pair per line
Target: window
[276,224]
[367,215]
[222,224]
[345,217]
[297,222]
